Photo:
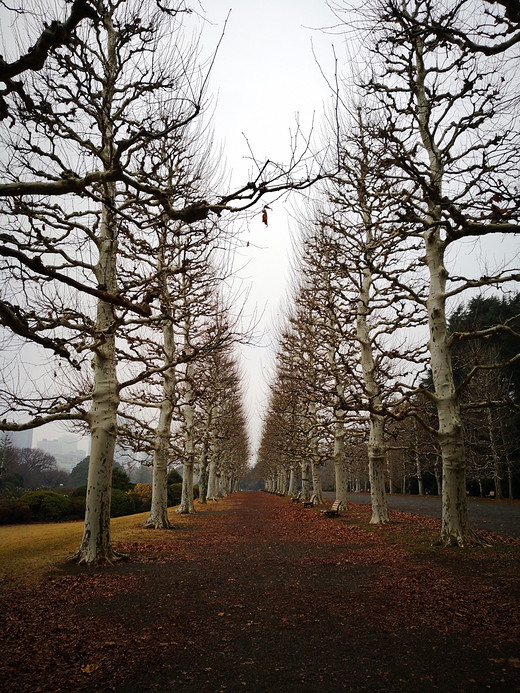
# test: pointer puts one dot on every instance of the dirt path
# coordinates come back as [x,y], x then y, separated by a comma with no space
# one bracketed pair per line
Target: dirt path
[260,594]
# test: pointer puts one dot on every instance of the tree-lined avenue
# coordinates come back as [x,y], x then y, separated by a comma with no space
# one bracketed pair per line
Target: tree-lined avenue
[255,592]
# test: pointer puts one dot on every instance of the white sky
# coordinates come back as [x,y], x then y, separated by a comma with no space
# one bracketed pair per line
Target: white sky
[264,77]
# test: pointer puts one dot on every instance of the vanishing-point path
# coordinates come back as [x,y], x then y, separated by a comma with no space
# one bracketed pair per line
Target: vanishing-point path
[258,594]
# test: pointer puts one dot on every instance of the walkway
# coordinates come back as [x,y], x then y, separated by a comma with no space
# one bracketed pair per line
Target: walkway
[258,594]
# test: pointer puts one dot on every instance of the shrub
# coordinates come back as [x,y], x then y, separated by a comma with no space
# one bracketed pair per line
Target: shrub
[174,494]
[13,512]
[122,503]
[47,506]
[120,479]
[79,474]
[9,483]
[79,492]
[142,495]
[78,508]
[174,477]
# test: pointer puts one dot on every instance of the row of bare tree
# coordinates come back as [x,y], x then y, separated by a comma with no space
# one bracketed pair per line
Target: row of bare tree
[428,161]
[114,254]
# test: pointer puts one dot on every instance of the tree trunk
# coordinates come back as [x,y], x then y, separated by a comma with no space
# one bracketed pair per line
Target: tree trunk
[376,472]
[315,466]
[438,479]
[389,474]
[186,506]
[95,545]
[455,529]
[292,484]
[376,445]
[316,482]
[212,478]
[203,478]
[158,518]
[284,482]
[305,481]
[418,470]
[497,478]
[340,468]
[188,410]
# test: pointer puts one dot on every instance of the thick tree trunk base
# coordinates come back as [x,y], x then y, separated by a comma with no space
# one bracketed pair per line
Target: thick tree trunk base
[378,519]
[80,559]
[160,523]
[186,511]
[460,539]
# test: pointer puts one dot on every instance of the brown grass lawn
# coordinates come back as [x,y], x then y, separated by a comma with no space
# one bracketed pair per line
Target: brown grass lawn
[28,552]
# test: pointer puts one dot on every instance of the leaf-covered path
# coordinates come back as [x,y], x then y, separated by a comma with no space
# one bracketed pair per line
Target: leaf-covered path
[257,593]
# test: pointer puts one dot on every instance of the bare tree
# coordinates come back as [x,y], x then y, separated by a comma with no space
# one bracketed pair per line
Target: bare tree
[75,175]
[448,129]
[490,31]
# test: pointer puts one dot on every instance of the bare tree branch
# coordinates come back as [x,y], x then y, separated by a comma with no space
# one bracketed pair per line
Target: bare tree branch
[55,35]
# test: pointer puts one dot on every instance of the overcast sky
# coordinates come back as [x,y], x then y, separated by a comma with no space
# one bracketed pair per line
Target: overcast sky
[274,63]
[267,76]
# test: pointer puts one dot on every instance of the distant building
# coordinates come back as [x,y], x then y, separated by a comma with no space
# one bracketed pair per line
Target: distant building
[64,450]
[20,439]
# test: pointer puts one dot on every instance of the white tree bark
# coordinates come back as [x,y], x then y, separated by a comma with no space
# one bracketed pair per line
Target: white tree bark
[418,470]
[455,523]
[95,545]
[212,478]
[313,445]
[188,411]
[497,473]
[340,467]
[376,445]
[203,477]
[158,518]
[306,487]
[292,483]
